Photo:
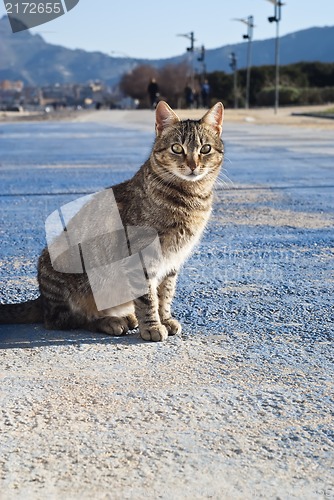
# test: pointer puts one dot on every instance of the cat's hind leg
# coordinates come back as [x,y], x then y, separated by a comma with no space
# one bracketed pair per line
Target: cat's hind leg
[59,316]
[109,324]
[112,325]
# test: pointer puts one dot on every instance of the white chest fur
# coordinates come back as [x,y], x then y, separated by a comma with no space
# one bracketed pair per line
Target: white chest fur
[174,259]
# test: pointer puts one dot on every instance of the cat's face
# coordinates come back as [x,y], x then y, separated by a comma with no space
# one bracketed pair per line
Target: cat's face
[188,150]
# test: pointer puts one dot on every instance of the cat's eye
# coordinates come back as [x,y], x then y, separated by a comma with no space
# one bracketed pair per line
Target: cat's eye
[177,148]
[205,149]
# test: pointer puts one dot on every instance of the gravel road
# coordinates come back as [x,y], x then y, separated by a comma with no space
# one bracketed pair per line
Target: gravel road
[240,406]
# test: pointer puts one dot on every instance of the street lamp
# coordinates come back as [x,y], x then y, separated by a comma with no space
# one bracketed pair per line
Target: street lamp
[191,37]
[233,66]
[249,21]
[276,19]
[201,59]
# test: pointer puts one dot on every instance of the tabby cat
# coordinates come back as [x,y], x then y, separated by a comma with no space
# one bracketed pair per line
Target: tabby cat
[171,193]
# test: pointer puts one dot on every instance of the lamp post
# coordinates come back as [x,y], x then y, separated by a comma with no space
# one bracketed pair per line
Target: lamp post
[190,50]
[276,19]
[201,59]
[233,66]
[249,21]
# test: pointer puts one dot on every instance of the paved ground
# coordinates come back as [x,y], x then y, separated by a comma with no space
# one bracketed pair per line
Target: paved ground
[238,407]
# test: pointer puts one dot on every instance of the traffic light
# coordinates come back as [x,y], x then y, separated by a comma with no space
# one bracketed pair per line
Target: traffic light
[201,58]
[192,40]
[233,63]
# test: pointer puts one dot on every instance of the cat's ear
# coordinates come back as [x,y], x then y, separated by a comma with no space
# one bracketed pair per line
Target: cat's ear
[164,117]
[214,117]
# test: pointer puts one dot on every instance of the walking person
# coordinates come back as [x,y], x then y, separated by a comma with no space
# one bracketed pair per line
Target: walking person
[205,93]
[189,96]
[153,92]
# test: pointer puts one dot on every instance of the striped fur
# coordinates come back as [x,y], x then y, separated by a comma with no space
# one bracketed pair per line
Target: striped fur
[172,193]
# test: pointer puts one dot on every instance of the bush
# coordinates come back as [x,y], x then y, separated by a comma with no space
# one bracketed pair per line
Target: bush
[287,96]
[301,83]
[322,95]
[221,85]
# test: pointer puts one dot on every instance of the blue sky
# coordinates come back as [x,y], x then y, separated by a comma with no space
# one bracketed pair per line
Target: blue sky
[148,29]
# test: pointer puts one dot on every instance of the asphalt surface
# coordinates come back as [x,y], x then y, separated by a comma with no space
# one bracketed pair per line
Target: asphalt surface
[241,404]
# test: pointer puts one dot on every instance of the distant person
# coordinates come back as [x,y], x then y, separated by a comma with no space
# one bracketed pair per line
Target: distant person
[153,92]
[205,93]
[196,99]
[189,96]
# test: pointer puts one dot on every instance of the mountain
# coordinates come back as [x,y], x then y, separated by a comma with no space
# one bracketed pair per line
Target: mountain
[28,57]
[313,44]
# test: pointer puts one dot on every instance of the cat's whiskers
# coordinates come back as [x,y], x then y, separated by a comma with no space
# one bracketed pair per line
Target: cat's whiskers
[221,184]
[223,176]
[224,181]
[165,176]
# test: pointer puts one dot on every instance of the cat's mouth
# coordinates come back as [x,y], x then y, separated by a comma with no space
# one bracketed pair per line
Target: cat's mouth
[190,175]
[193,176]
[197,172]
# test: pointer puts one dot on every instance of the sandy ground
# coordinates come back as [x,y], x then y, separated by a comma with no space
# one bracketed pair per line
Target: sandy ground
[237,414]
[189,419]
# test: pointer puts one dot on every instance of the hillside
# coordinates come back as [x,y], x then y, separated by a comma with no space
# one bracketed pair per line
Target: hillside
[313,44]
[28,57]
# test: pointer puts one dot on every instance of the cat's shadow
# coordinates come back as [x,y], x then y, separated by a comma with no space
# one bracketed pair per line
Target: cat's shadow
[28,336]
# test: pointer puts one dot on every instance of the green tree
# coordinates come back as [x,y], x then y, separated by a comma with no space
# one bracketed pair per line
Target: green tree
[221,85]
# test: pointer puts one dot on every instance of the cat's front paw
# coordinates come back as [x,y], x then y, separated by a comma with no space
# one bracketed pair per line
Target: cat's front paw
[156,333]
[173,326]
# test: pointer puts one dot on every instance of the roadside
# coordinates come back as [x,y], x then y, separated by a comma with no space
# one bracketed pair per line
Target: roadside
[238,406]
[294,116]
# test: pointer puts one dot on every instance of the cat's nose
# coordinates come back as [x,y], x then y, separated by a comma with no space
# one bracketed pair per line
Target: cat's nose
[191,163]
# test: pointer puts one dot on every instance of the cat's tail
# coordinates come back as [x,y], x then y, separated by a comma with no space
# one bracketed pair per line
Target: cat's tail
[26,312]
